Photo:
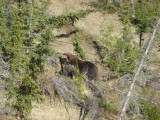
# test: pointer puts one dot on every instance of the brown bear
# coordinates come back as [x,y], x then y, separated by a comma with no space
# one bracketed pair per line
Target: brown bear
[66,68]
[72,58]
[85,67]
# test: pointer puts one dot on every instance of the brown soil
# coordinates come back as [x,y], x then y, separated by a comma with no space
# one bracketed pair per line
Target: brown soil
[96,23]
[58,7]
[57,110]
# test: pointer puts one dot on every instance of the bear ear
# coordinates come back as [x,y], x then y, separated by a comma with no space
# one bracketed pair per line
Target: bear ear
[64,56]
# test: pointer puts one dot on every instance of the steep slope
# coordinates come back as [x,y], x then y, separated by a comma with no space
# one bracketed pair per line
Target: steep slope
[92,28]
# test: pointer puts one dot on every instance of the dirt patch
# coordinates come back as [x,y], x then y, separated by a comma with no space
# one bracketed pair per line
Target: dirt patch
[96,23]
[58,110]
[63,44]
[58,7]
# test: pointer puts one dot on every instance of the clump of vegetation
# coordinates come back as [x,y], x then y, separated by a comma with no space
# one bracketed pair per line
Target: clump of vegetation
[108,107]
[3,27]
[142,22]
[78,81]
[144,16]
[121,54]
[78,48]
[110,6]
[146,13]
[26,53]
[149,111]
[25,57]
[70,18]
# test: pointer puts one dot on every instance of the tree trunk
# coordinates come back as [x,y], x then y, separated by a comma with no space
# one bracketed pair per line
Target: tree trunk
[121,3]
[140,39]
[122,113]
[132,3]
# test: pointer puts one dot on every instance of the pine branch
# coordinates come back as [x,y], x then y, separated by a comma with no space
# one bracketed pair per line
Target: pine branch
[122,113]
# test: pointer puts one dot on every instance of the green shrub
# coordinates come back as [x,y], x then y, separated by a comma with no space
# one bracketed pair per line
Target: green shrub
[78,48]
[70,18]
[25,67]
[110,6]
[108,107]
[146,13]
[78,81]
[121,52]
[149,111]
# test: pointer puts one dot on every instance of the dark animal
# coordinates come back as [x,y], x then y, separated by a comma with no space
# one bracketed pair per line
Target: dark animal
[85,67]
[66,68]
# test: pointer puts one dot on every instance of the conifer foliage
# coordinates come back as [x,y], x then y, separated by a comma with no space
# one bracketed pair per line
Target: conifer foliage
[3,27]
[25,67]
[29,89]
[26,54]
[146,13]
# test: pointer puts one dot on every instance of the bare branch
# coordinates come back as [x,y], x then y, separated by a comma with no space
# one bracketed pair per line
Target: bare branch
[117,90]
[121,3]
[132,3]
[122,113]
[68,91]
[67,111]
[123,78]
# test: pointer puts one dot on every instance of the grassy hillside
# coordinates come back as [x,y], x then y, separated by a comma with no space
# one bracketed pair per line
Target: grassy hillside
[112,35]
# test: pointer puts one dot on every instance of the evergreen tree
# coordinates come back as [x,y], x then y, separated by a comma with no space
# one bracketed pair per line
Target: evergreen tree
[15,55]
[29,90]
[146,13]
[25,68]
[3,27]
